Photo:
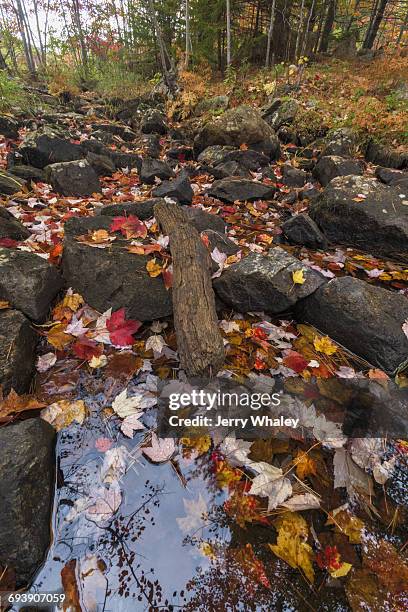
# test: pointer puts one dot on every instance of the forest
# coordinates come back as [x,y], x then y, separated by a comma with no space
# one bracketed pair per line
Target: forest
[204,305]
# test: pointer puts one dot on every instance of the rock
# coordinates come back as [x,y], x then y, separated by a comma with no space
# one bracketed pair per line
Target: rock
[95,146]
[180,152]
[365,319]
[203,221]
[216,103]
[178,189]
[287,135]
[241,125]
[76,178]
[116,130]
[249,159]
[28,282]
[293,177]
[8,127]
[102,164]
[383,156]
[309,192]
[10,184]
[309,126]
[17,351]
[29,173]
[153,122]
[378,223]
[283,115]
[220,241]
[126,160]
[265,282]
[107,138]
[330,166]
[10,227]
[214,155]
[112,278]
[342,142]
[301,229]
[143,210]
[240,189]
[27,471]
[227,169]
[392,177]
[150,145]
[152,168]
[41,148]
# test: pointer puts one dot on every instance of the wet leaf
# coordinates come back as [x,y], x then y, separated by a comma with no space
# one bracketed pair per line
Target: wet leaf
[120,329]
[291,545]
[61,414]
[298,277]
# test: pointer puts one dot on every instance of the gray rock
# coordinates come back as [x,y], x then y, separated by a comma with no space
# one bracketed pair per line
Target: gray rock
[76,178]
[330,166]
[28,282]
[152,168]
[47,146]
[10,227]
[126,160]
[216,103]
[8,127]
[265,283]
[364,318]
[27,470]
[237,126]
[143,210]
[214,155]
[384,156]
[102,164]
[392,177]
[153,122]
[10,184]
[17,347]
[29,173]
[232,189]
[150,145]
[378,223]
[203,221]
[293,177]
[301,229]
[283,115]
[112,277]
[220,241]
[342,142]
[122,131]
[227,169]
[178,189]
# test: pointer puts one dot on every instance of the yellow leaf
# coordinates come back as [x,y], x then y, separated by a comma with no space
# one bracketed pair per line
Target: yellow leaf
[73,301]
[305,465]
[324,345]
[342,571]
[298,277]
[63,413]
[57,338]
[291,545]
[153,268]
[4,305]
[208,550]
[348,524]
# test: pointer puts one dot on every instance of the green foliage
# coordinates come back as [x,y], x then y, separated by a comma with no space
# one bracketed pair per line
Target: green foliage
[12,93]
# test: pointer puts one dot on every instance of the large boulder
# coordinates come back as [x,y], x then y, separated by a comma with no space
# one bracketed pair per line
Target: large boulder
[10,227]
[363,213]
[384,156]
[364,318]
[76,178]
[284,114]
[231,189]
[17,347]
[178,189]
[301,229]
[242,125]
[154,168]
[28,282]
[41,148]
[10,184]
[27,471]
[330,166]
[265,282]
[392,177]
[342,142]
[112,278]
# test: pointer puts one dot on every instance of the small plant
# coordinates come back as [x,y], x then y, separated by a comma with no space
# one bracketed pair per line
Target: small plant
[12,93]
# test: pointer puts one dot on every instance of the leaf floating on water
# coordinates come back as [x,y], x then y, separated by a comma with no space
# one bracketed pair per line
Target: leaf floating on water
[160,450]
[291,545]
[120,329]
[196,515]
[131,424]
[270,483]
[61,414]
[45,362]
[306,501]
[124,406]
[15,404]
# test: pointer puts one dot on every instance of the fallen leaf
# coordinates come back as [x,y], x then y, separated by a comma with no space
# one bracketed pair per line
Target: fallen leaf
[160,449]
[291,545]
[4,305]
[86,349]
[298,277]
[154,268]
[121,330]
[45,362]
[125,406]
[130,227]
[61,414]
[15,404]
[131,424]
[324,345]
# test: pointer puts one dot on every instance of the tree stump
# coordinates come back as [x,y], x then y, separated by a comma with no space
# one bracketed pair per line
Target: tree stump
[199,341]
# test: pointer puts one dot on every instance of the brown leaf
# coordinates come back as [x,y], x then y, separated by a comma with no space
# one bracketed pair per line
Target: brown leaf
[15,404]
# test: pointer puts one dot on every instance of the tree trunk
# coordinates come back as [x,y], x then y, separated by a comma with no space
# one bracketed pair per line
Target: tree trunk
[24,38]
[328,26]
[187,34]
[270,31]
[228,32]
[199,341]
[299,32]
[375,24]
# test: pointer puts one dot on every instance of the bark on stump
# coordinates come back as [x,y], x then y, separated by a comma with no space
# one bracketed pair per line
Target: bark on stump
[199,341]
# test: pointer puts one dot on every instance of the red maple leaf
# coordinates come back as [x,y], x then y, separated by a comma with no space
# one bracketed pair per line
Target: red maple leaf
[9,243]
[85,348]
[130,227]
[295,361]
[167,275]
[121,331]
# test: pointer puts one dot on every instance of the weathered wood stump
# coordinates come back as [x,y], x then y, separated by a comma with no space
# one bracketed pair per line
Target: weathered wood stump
[200,344]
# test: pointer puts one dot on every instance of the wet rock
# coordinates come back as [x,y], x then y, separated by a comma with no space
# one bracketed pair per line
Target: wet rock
[242,125]
[378,223]
[364,318]
[240,189]
[178,189]
[29,173]
[27,470]
[341,142]
[383,156]
[143,210]
[153,122]
[10,227]
[17,347]
[330,166]
[392,177]
[265,283]
[28,282]
[203,221]
[102,164]
[283,115]
[215,103]
[126,160]
[116,130]
[8,127]
[46,146]
[293,177]
[76,178]
[112,278]
[10,184]
[301,229]
[152,168]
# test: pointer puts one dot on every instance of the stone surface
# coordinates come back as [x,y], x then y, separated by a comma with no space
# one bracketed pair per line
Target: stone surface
[8,127]
[330,166]
[153,122]
[214,155]
[378,223]
[17,345]
[301,229]
[27,469]
[215,103]
[265,283]
[383,156]
[391,176]
[283,115]
[112,278]
[152,168]
[227,169]
[29,173]
[205,221]
[41,148]
[178,189]
[115,129]
[10,227]
[241,125]
[102,164]
[126,160]
[28,282]
[76,178]
[231,189]
[364,318]
[10,184]
[293,177]
[143,210]
[342,142]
